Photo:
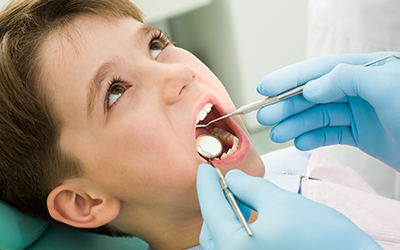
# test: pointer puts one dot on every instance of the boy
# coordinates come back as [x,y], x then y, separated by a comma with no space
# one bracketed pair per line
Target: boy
[97,122]
[98,115]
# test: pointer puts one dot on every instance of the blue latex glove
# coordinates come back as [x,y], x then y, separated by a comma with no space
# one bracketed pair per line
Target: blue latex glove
[342,103]
[285,220]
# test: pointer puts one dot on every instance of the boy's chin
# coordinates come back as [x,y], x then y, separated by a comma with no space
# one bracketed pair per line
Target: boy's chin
[258,168]
[252,164]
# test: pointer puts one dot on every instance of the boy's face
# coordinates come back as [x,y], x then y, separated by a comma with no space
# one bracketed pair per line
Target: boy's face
[141,148]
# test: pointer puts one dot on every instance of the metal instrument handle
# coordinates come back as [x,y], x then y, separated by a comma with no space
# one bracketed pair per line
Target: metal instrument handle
[269,100]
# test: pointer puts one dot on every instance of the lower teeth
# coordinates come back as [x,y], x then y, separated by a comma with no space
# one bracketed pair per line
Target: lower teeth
[228,140]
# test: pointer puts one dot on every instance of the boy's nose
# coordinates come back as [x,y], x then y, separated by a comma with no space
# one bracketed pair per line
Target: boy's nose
[174,80]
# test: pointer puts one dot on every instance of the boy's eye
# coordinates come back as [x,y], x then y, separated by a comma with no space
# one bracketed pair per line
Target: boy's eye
[115,92]
[157,43]
[156,46]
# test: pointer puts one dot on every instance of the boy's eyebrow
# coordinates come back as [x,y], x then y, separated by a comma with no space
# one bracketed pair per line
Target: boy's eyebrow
[95,84]
[105,69]
[145,29]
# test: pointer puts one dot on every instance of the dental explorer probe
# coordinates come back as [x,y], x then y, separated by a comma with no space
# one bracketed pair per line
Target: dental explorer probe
[258,104]
[277,98]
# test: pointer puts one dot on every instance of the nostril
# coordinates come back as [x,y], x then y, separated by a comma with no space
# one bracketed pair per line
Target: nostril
[188,82]
[180,92]
[184,86]
[176,79]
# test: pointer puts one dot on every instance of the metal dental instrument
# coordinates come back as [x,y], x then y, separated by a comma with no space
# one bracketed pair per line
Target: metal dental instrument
[378,60]
[231,199]
[209,147]
[277,98]
[258,104]
[302,176]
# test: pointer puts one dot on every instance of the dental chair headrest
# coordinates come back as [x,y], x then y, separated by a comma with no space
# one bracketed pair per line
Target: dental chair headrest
[21,231]
[18,230]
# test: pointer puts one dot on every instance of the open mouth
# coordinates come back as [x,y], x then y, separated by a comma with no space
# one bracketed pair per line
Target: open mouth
[220,129]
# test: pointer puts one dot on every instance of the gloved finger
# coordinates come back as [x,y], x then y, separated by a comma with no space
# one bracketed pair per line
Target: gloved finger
[341,81]
[217,213]
[206,239]
[275,113]
[299,73]
[252,191]
[325,137]
[333,114]
[350,80]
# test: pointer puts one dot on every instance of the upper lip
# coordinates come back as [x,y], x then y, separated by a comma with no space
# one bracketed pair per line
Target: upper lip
[201,105]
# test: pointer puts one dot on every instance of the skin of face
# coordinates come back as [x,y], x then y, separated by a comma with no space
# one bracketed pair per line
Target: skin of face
[142,150]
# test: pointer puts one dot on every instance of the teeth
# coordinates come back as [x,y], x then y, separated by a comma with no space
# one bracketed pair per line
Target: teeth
[223,156]
[203,112]
[228,139]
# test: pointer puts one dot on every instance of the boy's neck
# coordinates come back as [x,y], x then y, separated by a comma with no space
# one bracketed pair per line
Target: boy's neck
[160,230]
[184,237]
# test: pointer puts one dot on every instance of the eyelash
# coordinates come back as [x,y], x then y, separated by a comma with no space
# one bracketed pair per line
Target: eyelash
[161,36]
[111,83]
[155,36]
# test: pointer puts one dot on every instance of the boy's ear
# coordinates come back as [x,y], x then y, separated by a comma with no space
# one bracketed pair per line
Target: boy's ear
[74,204]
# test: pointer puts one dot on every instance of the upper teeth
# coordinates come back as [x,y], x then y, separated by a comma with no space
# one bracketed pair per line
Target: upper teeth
[203,112]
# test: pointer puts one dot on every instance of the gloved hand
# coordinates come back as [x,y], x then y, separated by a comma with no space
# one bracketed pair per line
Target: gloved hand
[285,220]
[342,103]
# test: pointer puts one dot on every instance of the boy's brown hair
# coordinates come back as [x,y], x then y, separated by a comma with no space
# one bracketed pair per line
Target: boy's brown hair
[31,161]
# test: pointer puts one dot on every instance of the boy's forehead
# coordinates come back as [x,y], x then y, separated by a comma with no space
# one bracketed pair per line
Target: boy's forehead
[74,34]
[77,43]
[67,44]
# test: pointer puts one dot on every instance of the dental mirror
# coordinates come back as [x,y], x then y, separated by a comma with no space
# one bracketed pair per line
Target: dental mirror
[208,146]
